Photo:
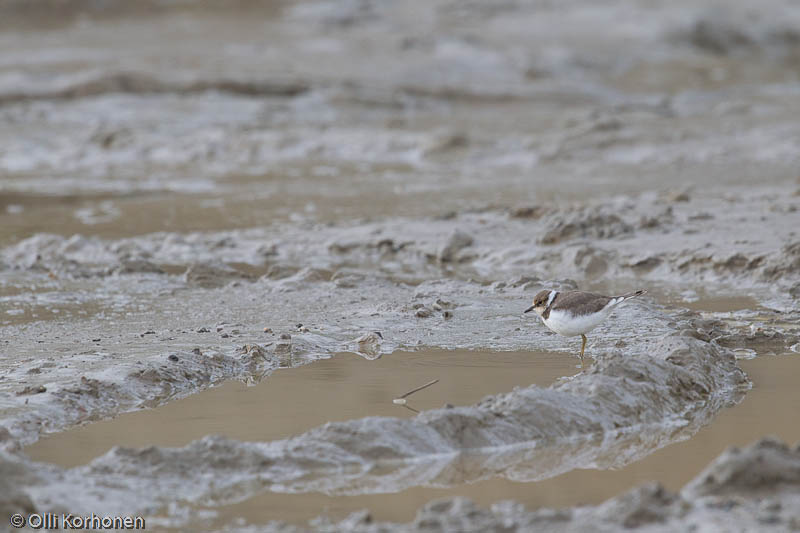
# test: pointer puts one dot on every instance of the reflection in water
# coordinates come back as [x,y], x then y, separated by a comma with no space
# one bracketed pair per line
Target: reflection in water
[769,408]
[295,400]
[620,411]
[525,461]
[403,398]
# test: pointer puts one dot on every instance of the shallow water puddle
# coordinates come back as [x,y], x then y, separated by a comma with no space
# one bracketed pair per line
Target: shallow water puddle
[721,304]
[770,408]
[348,387]
[713,303]
[294,400]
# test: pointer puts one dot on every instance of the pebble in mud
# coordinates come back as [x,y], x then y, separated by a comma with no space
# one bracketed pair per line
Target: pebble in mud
[423,312]
[369,343]
[31,389]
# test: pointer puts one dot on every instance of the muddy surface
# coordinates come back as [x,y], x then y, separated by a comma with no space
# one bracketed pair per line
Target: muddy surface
[344,384]
[291,405]
[201,195]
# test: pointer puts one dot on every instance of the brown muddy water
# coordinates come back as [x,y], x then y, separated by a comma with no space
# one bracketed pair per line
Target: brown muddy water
[294,400]
[346,386]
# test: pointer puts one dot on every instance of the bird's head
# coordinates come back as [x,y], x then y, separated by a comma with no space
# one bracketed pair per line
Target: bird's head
[540,302]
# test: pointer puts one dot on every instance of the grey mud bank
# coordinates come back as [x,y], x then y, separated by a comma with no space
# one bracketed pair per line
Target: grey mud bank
[755,489]
[192,193]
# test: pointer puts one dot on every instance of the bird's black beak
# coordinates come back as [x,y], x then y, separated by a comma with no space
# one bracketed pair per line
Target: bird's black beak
[528,310]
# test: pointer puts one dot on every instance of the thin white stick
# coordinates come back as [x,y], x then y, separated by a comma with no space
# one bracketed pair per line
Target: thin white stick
[409,393]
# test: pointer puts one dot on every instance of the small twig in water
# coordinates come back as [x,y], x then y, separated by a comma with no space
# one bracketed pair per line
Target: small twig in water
[401,400]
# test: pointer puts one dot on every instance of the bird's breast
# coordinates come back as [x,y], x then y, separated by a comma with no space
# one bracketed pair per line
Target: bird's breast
[569,325]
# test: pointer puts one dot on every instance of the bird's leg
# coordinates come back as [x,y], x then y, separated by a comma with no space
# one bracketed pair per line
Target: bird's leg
[583,347]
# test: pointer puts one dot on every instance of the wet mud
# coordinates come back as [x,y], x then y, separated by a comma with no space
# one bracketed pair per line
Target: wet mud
[291,401]
[345,384]
[750,489]
[200,200]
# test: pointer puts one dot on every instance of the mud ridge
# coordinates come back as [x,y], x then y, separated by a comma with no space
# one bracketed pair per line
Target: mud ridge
[141,83]
[597,418]
[753,489]
[94,398]
[602,240]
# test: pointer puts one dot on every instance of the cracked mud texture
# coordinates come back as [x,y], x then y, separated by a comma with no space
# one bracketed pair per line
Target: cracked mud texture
[196,192]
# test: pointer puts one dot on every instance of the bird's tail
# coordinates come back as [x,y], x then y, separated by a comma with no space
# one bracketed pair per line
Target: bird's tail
[630,295]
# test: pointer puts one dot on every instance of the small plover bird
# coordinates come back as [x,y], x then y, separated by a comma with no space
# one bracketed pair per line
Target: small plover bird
[575,312]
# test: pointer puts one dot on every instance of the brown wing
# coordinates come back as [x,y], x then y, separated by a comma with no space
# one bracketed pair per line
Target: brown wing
[580,303]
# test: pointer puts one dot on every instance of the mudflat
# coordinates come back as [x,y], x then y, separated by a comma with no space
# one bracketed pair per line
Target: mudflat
[226,246]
